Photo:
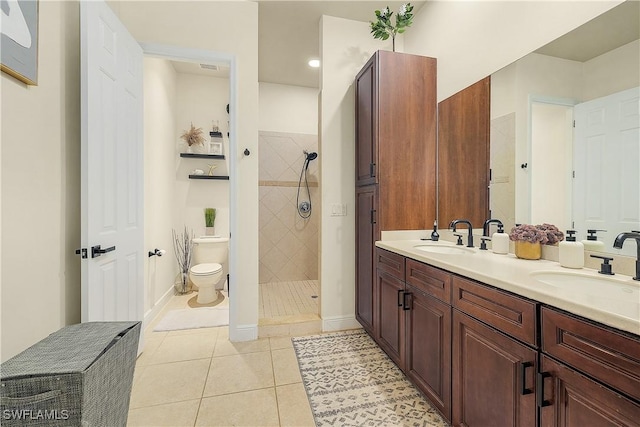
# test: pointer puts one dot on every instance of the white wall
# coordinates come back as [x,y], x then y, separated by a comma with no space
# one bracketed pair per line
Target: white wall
[159,178]
[345,47]
[475,39]
[292,109]
[41,187]
[226,27]
[200,100]
[612,72]
[546,77]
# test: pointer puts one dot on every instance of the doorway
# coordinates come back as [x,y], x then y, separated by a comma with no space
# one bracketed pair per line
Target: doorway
[551,163]
[179,187]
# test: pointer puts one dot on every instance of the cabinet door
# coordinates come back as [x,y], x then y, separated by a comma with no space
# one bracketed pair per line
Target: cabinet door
[463,154]
[365,238]
[571,399]
[366,124]
[428,354]
[390,325]
[493,376]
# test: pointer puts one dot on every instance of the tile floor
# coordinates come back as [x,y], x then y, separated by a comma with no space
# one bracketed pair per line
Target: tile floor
[197,377]
[278,299]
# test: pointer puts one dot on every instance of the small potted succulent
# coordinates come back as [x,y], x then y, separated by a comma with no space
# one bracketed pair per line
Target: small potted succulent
[529,238]
[209,221]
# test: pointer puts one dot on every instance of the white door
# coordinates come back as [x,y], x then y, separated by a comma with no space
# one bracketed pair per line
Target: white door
[607,166]
[551,163]
[112,167]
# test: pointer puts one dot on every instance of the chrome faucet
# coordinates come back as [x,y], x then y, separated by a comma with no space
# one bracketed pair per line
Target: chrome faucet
[617,243]
[487,224]
[455,222]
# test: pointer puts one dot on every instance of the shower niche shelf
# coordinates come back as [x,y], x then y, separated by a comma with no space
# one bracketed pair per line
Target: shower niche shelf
[202,156]
[215,177]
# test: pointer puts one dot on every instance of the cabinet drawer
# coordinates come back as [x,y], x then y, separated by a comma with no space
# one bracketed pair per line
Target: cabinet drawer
[508,313]
[604,354]
[430,280]
[390,262]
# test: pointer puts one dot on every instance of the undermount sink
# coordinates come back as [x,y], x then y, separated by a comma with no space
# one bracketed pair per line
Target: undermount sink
[603,292]
[444,249]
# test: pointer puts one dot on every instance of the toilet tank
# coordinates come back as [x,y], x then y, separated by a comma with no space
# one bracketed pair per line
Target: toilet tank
[208,249]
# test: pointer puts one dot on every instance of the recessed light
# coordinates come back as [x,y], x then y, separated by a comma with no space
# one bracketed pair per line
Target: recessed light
[315,63]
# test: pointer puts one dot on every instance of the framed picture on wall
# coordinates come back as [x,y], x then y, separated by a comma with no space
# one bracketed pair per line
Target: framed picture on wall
[216,148]
[19,39]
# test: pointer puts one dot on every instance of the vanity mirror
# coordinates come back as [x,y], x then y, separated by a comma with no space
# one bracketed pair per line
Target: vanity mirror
[544,169]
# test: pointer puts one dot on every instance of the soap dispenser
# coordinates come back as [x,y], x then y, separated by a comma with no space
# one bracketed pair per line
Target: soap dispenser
[571,252]
[434,234]
[500,241]
[592,243]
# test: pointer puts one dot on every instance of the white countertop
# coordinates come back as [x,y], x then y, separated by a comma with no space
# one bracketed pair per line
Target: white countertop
[615,303]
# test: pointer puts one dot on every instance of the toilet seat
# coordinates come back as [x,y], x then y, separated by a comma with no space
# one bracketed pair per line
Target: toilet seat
[207,269]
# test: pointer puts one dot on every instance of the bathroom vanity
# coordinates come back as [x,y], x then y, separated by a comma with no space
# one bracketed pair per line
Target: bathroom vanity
[495,340]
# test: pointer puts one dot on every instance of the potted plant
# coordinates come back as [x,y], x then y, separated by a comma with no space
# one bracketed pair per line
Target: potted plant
[183,249]
[529,238]
[193,136]
[382,28]
[209,221]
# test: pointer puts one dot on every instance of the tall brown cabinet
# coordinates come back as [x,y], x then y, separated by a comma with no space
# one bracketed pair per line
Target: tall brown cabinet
[395,160]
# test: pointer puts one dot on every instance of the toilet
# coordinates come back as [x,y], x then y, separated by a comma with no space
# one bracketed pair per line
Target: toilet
[210,255]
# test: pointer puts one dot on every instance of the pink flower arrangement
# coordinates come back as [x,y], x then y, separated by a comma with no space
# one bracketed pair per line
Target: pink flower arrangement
[545,234]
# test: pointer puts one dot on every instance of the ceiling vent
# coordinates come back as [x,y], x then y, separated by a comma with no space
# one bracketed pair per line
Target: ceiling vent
[209,67]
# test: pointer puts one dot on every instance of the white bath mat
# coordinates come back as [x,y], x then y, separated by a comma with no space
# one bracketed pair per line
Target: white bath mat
[193,318]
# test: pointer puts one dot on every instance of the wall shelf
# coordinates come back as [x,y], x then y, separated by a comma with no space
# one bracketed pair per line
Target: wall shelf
[202,156]
[220,177]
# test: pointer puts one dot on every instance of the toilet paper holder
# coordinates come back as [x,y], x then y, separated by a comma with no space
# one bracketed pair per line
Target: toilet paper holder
[157,252]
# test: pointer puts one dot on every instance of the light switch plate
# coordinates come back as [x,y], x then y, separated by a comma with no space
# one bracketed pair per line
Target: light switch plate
[338,209]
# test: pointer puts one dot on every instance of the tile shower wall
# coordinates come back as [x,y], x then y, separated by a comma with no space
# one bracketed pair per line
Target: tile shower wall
[503,141]
[288,243]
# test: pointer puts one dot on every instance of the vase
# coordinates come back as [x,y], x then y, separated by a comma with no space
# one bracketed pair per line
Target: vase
[182,283]
[209,231]
[528,250]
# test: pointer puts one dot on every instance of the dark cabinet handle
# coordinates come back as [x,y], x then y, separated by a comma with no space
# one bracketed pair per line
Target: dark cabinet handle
[540,390]
[372,169]
[96,251]
[523,377]
[400,297]
[405,305]
[373,216]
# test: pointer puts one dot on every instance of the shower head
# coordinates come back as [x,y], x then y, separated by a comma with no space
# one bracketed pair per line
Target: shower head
[311,156]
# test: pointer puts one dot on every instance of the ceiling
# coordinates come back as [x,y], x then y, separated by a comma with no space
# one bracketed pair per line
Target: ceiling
[288,36]
[612,29]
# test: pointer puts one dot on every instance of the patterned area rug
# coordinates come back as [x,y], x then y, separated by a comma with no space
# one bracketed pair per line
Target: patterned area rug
[350,381]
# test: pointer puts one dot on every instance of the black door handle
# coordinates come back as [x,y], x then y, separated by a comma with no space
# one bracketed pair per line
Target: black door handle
[400,299]
[523,377]
[96,251]
[540,377]
[406,306]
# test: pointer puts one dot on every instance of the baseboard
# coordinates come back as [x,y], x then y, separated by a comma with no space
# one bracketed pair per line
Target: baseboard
[158,306]
[243,333]
[339,323]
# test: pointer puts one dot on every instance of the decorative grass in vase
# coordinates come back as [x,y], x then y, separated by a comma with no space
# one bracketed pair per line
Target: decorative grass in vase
[209,221]
[193,136]
[183,248]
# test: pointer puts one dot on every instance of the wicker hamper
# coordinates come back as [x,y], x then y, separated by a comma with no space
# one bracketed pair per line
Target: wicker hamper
[80,375]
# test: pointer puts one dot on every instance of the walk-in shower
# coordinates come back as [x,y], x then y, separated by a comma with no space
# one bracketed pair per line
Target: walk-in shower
[304,206]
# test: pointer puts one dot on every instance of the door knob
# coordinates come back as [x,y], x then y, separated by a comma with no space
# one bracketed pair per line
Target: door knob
[96,251]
